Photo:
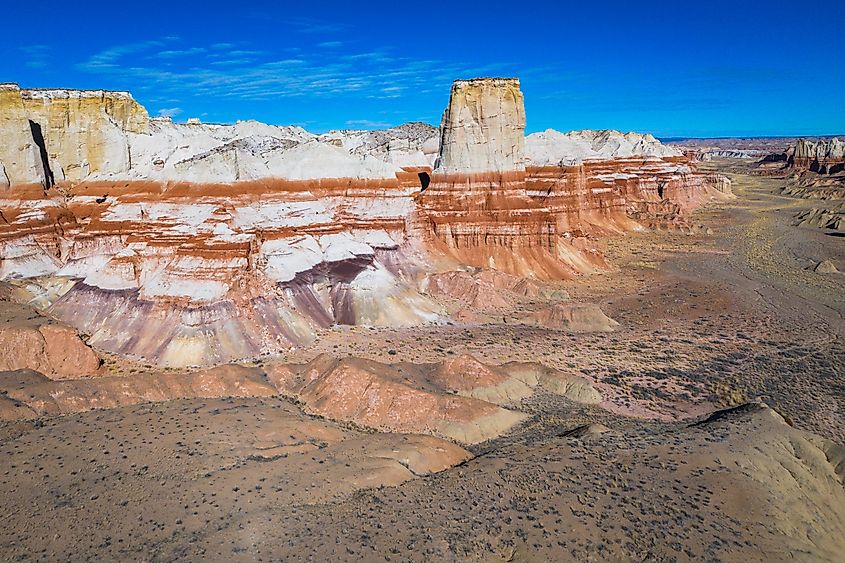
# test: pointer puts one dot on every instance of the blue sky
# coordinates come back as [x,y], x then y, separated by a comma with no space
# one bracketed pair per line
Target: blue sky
[670,68]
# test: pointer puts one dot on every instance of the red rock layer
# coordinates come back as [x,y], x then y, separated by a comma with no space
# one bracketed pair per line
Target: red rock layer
[52,349]
[541,222]
[520,222]
[186,281]
[818,165]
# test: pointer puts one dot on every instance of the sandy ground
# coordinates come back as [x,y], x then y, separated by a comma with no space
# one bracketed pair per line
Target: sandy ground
[708,321]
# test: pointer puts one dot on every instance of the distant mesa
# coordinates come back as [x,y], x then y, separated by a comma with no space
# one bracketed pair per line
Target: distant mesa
[815,170]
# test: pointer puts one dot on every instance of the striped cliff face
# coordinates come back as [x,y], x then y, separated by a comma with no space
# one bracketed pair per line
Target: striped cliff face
[487,208]
[219,243]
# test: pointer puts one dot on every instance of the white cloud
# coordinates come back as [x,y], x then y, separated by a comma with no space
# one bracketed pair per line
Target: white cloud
[366,123]
[229,71]
[330,44]
[308,25]
[108,59]
[170,54]
[169,112]
[37,55]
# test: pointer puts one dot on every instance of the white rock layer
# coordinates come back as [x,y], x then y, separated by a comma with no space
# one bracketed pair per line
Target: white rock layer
[552,148]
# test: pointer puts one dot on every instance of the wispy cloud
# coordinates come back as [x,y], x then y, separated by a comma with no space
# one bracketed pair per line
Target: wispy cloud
[170,54]
[108,59]
[232,62]
[330,44]
[235,72]
[36,55]
[170,112]
[368,124]
[308,25]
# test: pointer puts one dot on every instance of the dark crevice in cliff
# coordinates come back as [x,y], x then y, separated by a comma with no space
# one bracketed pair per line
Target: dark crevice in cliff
[425,180]
[38,137]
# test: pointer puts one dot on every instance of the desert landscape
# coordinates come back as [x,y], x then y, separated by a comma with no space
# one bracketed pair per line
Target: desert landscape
[417,343]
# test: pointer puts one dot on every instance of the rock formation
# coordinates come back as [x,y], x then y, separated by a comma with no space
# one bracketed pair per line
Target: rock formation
[746,154]
[402,398]
[825,156]
[574,317]
[196,244]
[22,158]
[815,168]
[826,267]
[823,218]
[29,340]
[61,135]
[485,207]
[551,148]
[483,128]
[52,349]
[461,398]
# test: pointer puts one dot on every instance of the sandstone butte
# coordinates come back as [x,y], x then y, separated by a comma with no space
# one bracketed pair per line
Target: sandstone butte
[823,157]
[199,244]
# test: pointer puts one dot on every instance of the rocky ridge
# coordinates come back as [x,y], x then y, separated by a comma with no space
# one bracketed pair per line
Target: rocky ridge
[552,148]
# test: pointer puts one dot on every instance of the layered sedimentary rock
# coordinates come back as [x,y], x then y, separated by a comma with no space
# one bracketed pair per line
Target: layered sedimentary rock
[460,398]
[53,135]
[826,156]
[192,275]
[552,148]
[491,205]
[483,128]
[52,349]
[815,168]
[408,145]
[212,243]
[29,340]
[574,317]
[741,154]
[823,218]
[477,209]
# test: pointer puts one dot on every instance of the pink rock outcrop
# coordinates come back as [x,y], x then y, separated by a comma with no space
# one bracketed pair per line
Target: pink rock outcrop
[53,349]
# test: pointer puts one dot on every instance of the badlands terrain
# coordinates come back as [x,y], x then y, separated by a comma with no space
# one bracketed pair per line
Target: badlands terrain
[250,342]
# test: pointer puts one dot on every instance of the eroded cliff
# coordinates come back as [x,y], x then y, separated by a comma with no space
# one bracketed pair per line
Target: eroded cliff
[825,156]
[61,134]
[491,205]
[191,244]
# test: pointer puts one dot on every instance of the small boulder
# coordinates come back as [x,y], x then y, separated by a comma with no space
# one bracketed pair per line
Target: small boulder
[825,267]
[586,431]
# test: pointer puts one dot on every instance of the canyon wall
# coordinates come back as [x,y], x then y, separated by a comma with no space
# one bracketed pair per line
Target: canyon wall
[194,244]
